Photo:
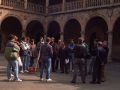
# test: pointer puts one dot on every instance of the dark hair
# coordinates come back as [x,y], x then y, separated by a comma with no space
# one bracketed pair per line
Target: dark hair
[11,36]
[27,38]
[32,40]
[96,40]
[80,40]
[48,39]
[64,42]
[23,38]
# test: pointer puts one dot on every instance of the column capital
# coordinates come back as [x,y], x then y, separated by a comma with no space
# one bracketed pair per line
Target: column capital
[82,32]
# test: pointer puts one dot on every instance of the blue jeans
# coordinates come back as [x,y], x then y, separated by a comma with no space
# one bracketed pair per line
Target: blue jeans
[93,58]
[24,61]
[71,58]
[28,61]
[46,60]
[32,61]
[13,63]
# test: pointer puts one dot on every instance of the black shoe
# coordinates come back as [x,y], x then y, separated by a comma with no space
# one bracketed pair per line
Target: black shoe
[92,82]
[73,82]
[98,82]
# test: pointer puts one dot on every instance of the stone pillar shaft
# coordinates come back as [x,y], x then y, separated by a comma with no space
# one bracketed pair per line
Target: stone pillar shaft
[111,1]
[84,3]
[25,4]
[62,36]
[63,5]
[23,33]
[47,5]
[0,2]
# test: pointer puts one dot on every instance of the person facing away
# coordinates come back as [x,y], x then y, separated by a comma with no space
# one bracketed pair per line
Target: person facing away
[63,54]
[71,54]
[11,54]
[46,54]
[79,52]
[100,60]
[33,52]
[93,56]
[55,51]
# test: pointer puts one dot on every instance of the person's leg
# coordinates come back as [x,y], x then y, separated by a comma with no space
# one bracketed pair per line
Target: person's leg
[53,62]
[82,70]
[95,73]
[72,59]
[76,66]
[48,62]
[25,63]
[9,66]
[91,65]
[15,65]
[66,68]
[42,67]
[57,64]
[28,62]
[21,67]
[69,61]
[31,61]
[62,65]
[99,73]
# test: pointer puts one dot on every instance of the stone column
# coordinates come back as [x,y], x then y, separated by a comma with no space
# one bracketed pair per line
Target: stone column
[62,36]
[0,2]
[111,1]
[25,4]
[84,3]
[23,33]
[47,5]
[83,34]
[45,36]
[63,5]
[110,37]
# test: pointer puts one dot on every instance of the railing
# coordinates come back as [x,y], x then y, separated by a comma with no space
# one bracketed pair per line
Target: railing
[13,3]
[90,3]
[73,5]
[36,8]
[117,1]
[55,8]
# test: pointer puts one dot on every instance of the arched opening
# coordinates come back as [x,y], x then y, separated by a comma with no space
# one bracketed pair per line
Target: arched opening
[35,30]
[116,40]
[54,30]
[96,28]
[11,25]
[72,30]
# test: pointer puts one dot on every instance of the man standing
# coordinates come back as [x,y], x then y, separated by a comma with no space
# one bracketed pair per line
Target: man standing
[11,54]
[105,46]
[46,54]
[93,56]
[100,60]
[79,52]
[71,54]
[55,51]
[63,55]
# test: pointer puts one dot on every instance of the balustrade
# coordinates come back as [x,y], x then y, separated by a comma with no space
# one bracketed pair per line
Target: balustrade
[13,3]
[117,1]
[97,2]
[55,8]
[36,8]
[74,5]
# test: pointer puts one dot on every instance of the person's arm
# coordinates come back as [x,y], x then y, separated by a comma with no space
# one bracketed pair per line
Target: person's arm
[51,51]
[23,47]
[38,45]
[16,48]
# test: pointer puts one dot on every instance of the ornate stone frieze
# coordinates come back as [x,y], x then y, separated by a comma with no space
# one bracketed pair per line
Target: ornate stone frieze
[25,17]
[110,11]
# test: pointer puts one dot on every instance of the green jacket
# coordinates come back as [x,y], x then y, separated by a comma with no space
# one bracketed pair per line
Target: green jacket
[11,51]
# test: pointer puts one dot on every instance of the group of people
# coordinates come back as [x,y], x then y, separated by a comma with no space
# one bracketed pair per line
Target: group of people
[51,54]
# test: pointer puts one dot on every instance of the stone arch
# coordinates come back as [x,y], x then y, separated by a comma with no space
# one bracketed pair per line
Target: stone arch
[12,15]
[72,29]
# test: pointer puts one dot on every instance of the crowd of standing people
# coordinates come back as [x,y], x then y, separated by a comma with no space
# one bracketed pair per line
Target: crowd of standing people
[49,54]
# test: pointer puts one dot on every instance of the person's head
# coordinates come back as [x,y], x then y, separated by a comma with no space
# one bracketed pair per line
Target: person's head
[59,41]
[72,41]
[27,39]
[11,37]
[24,39]
[32,41]
[80,40]
[96,42]
[41,39]
[105,43]
[63,43]
[100,43]
[52,39]
[16,38]
[48,40]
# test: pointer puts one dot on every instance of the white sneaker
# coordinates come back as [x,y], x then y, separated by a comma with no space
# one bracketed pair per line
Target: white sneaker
[21,71]
[41,79]
[10,79]
[48,79]
[19,80]
[12,75]
[26,71]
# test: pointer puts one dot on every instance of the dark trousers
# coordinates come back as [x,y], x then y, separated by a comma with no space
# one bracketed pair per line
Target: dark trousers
[57,64]
[53,61]
[64,66]
[79,63]
[31,61]
[97,72]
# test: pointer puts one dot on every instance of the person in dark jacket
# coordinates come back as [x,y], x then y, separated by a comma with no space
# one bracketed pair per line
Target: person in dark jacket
[100,60]
[93,55]
[63,54]
[105,46]
[79,52]
[46,53]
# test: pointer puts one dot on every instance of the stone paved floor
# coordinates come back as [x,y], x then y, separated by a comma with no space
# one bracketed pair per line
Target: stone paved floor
[60,81]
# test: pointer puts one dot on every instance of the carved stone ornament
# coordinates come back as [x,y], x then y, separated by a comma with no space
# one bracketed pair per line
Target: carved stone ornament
[25,17]
[110,11]
[82,32]
[81,16]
